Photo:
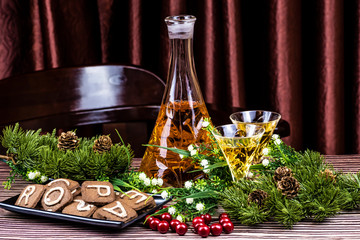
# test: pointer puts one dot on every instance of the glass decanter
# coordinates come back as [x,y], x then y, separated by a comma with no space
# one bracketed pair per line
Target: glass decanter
[182,110]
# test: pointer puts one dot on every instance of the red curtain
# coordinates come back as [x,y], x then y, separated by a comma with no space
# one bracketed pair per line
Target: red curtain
[300,58]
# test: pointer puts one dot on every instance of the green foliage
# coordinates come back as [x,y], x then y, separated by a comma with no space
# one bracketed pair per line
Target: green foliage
[33,151]
[320,196]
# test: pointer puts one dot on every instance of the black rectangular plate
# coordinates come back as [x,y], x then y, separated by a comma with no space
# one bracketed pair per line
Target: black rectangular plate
[9,205]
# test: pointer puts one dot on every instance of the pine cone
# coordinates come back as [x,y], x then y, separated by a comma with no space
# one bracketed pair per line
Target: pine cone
[258,197]
[328,174]
[103,144]
[281,172]
[68,141]
[289,186]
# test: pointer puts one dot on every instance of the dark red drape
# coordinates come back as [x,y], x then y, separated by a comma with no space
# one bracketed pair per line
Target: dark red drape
[301,58]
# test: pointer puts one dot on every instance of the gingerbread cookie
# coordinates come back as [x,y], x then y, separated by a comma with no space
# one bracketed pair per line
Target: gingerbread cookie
[30,196]
[97,192]
[80,208]
[137,200]
[71,184]
[76,191]
[56,196]
[116,211]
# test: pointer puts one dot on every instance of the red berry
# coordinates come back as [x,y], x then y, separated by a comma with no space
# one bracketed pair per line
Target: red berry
[148,219]
[216,229]
[196,227]
[224,219]
[163,227]
[197,220]
[181,229]
[223,215]
[228,227]
[166,217]
[207,218]
[154,224]
[204,231]
[156,215]
[174,223]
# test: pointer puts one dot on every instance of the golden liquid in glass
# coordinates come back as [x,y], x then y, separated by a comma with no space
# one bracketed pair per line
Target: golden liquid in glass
[239,154]
[264,141]
[178,125]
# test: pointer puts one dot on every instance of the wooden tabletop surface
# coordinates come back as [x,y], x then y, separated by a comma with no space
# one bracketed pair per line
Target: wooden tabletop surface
[16,226]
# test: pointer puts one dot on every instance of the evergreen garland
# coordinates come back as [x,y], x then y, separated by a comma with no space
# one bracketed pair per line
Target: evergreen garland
[319,192]
[29,151]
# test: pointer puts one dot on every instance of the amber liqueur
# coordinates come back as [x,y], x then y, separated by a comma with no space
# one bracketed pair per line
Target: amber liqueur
[179,124]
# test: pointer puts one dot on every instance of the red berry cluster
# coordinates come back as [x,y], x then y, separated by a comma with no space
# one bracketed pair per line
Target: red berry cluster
[201,225]
[164,222]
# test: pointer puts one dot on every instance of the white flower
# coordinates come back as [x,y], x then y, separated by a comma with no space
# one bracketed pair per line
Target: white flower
[189,200]
[37,174]
[275,136]
[193,152]
[179,218]
[206,170]
[265,151]
[249,174]
[154,191]
[31,175]
[142,176]
[188,184]
[164,194]
[171,210]
[278,141]
[181,156]
[190,147]
[160,182]
[200,207]
[154,181]
[204,162]
[147,181]
[265,162]
[205,124]
[44,178]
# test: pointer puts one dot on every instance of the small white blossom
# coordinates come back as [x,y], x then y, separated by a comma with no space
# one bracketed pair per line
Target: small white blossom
[160,182]
[278,141]
[265,151]
[265,162]
[190,147]
[193,152]
[205,124]
[206,170]
[31,175]
[164,194]
[154,181]
[200,207]
[44,178]
[37,174]
[188,184]
[204,162]
[142,176]
[179,218]
[249,174]
[275,136]
[147,181]
[154,191]
[181,156]
[189,200]
[171,210]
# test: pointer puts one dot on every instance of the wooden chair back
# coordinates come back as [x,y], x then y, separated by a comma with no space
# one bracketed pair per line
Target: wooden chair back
[86,98]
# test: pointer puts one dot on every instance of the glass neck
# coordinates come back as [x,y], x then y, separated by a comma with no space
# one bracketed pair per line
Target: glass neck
[182,81]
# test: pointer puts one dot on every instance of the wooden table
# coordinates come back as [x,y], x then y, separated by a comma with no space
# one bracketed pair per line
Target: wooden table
[16,226]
